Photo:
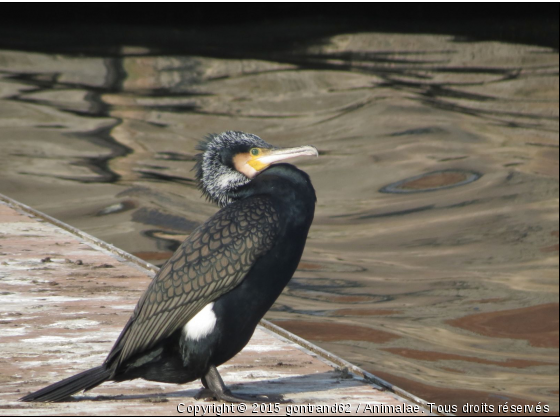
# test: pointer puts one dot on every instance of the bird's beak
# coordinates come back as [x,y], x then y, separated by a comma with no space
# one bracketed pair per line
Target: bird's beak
[267,157]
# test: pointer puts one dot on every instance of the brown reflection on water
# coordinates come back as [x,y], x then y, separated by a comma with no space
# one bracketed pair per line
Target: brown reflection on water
[154,256]
[433,258]
[460,397]
[365,312]
[328,331]
[442,179]
[536,324]
[434,356]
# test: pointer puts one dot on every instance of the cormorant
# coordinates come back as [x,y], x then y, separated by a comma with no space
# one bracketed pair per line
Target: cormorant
[204,304]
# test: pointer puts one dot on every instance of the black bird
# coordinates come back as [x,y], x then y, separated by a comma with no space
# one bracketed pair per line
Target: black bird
[204,304]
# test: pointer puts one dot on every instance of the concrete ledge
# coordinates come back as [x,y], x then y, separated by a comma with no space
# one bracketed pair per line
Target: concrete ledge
[64,298]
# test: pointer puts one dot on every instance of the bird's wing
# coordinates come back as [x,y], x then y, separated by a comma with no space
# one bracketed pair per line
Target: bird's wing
[212,261]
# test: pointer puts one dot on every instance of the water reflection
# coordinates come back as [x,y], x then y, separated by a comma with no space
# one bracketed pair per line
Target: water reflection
[451,293]
[432,181]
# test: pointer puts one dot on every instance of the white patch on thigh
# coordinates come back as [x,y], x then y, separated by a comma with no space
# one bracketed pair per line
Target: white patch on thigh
[201,324]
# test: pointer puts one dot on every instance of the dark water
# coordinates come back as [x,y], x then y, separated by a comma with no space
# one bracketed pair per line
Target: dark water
[433,258]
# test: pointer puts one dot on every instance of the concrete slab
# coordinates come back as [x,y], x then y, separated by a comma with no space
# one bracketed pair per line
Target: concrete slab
[64,298]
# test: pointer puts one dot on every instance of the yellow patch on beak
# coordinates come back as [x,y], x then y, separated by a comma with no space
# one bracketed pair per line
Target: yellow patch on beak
[258,159]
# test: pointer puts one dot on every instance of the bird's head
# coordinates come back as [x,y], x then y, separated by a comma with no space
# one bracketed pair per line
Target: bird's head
[232,159]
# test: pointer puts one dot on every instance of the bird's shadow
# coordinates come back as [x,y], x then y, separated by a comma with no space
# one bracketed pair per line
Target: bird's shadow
[273,388]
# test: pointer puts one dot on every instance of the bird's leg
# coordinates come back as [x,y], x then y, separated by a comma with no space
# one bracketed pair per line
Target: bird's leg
[213,381]
[205,393]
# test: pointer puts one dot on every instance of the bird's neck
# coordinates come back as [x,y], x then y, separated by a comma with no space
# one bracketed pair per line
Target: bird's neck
[289,187]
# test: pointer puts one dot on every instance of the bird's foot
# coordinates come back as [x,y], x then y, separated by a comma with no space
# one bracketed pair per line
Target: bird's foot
[274,398]
[227,396]
[205,394]
[214,385]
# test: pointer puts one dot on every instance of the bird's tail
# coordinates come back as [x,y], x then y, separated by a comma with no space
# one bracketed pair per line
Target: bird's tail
[63,389]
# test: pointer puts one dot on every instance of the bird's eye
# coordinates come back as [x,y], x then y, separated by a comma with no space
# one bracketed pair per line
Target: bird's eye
[255,152]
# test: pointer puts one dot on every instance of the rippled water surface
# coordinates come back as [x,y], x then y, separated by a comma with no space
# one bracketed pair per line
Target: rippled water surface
[433,258]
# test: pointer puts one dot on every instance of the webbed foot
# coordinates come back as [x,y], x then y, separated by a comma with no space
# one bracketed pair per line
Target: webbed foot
[215,388]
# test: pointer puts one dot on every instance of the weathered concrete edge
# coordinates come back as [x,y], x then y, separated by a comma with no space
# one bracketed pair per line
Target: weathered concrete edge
[92,240]
[152,270]
[341,363]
